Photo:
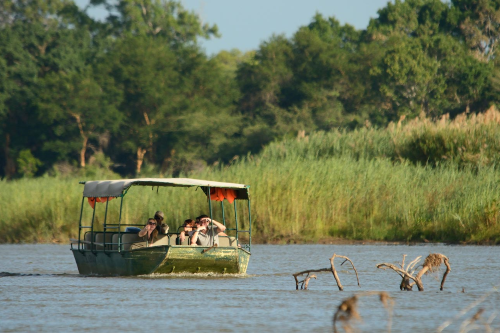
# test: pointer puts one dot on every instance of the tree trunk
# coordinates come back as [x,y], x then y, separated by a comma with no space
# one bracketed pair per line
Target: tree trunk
[149,123]
[335,275]
[140,158]
[83,150]
[85,138]
[405,284]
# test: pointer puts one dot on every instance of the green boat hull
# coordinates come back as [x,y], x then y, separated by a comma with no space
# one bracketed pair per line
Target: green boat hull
[163,260]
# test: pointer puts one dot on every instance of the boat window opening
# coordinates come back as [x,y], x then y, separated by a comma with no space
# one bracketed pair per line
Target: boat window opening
[100,236]
[239,215]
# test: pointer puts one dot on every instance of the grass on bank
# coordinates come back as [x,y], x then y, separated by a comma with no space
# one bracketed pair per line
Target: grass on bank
[365,184]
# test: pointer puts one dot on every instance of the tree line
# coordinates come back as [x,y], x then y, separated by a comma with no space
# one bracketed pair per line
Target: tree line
[137,92]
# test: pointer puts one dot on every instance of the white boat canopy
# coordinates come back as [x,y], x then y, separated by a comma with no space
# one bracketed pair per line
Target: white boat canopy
[115,188]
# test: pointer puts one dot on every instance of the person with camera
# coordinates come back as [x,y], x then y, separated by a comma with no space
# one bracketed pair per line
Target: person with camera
[149,232]
[187,227]
[161,227]
[205,234]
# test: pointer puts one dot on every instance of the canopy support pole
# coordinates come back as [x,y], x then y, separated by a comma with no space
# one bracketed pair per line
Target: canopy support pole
[236,221]
[249,227]
[223,215]
[119,225]
[211,222]
[80,225]
[105,227]
[92,229]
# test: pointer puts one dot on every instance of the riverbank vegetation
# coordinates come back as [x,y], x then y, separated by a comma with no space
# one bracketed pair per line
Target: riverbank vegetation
[413,181]
[390,133]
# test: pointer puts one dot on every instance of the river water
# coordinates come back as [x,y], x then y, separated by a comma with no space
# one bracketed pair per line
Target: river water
[41,290]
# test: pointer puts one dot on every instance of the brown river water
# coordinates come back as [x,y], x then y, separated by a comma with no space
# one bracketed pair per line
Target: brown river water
[41,290]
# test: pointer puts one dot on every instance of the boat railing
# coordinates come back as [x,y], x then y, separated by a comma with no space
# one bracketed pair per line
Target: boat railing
[94,244]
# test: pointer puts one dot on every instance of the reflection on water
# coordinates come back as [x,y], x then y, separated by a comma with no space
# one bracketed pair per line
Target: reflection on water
[40,289]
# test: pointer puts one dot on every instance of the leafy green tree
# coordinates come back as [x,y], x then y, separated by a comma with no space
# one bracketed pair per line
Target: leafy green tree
[35,40]
[178,104]
[229,61]
[27,163]
[74,103]
[16,68]
[409,79]
[478,22]
[166,84]
[410,18]
[323,67]
[425,67]
[263,79]
[165,19]
[210,129]
[67,82]
[263,82]
[147,72]
[302,83]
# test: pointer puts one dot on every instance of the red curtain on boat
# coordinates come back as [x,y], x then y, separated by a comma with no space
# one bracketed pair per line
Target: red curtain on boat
[219,194]
[92,201]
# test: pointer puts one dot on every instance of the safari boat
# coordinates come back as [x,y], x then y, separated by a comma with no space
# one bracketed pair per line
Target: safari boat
[115,251]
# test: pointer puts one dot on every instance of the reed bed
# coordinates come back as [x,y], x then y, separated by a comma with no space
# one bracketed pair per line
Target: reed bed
[413,181]
[299,199]
[464,142]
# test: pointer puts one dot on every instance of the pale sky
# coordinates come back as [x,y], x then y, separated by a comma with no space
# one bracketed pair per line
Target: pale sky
[245,24]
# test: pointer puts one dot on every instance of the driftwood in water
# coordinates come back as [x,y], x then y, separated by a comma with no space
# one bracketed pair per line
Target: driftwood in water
[332,269]
[431,263]
[347,312]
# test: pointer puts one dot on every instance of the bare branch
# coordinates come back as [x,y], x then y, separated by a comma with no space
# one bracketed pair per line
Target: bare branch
[308,272]
[346,259]
[332,269]
[335,275]
[405,284]
[413,263]
[394,268]
[431,263]
[306,281]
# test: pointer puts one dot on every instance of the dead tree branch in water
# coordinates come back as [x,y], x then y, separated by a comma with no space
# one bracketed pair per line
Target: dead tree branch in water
[334,272]
[304,283]
[431,264]
[306,280]
[347,312]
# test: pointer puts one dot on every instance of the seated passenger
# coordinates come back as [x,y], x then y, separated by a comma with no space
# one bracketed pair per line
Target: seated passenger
[149,232]
[161,227]
[187,228]
[204,235]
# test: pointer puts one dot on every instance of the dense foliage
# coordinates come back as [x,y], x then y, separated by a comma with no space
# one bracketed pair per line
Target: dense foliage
[367,184]
[137,92]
